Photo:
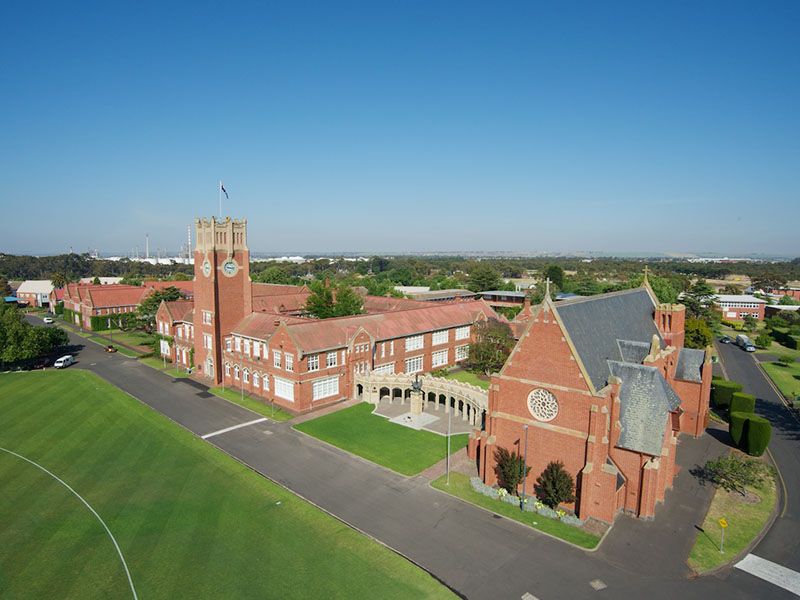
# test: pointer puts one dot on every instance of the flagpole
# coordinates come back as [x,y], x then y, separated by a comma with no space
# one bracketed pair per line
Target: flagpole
[220,199]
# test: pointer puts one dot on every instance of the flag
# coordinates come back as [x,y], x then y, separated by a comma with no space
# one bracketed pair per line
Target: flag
[222,187]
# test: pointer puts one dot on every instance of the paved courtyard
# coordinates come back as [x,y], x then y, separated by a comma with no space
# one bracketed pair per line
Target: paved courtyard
[432,420]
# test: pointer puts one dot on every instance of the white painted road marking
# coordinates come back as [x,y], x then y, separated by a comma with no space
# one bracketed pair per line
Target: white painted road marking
[227,429]
[772,572]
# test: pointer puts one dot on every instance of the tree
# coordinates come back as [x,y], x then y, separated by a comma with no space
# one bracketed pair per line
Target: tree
[147,308]
[699,301]
[347,302]
[763,340]
[5,289]
[698,334]
[787,300]
[556,275]
[786,359]
[555,485]
[768,280]
[733,290]
[58,280]
[510,468]
[96,281]
[750,323]
[320,303]
[483,278]
[273,275]
[493,343]
[735,472]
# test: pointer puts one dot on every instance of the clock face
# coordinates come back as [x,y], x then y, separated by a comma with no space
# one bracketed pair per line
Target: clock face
[543,405]
[206,268]
[229,267]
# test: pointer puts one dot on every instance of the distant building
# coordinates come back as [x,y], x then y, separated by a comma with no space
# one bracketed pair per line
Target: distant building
[103,280]
[736,308]
[502,298]
[35,292]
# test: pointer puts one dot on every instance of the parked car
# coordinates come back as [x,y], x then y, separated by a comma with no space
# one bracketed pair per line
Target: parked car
[725,340]
[64,361]
[41,363]
[110,348]
[48,320]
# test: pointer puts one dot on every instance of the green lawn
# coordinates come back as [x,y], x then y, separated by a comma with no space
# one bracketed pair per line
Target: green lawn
[467,377]
[460,487]
[120,349]
[394,446]
[132,338]
[190,521]
[158,365]
[254,405]
[787,378]
[744,523]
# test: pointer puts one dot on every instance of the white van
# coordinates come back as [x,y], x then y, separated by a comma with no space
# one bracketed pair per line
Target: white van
[64,361]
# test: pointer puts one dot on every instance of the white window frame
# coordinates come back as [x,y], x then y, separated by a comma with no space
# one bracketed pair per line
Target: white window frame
[325,388]
[415,364]
[227,369]
[228,344]
[387,369]
[462,333]
[265,381]
[439,358]
[276,359]
[415,342]
[236,372]
[256,349]
[313,363]
[246,375]
[256,379]
[246,345]
[207,317]
[284,389]
[237,344]
[289,361]
[331,360]
[207,341]
[462,353]
[440,337]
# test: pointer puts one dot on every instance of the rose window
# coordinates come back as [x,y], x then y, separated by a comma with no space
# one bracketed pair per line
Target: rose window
[542,405]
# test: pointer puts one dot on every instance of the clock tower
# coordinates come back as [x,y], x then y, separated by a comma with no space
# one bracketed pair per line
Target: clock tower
[222,289]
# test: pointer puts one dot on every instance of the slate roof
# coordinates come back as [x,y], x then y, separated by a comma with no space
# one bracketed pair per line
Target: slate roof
[690,364]
[633,352]
[646,400]
[595,323]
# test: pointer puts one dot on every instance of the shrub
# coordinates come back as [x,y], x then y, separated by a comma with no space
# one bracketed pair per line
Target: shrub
[743,403]
[758,434]
[786,359]
[510,469]
[555,485]
[735,472]
[571,520]
[764,340]
[738,421]
[722,392]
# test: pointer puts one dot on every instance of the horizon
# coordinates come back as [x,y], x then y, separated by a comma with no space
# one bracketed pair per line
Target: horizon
[627,128]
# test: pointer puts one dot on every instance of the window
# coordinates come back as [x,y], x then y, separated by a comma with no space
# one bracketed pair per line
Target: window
[255,379]
[206,317]
[313,363]
[247,346]
[246,376]
[207,341]
[414,365]
[325,388]
[284,389]
[387,369]
[289,361]
[237,342]
[266,381]
[414,343]
[330,359]
[462,333]
[462,352]
[227,369]
[257,349]
[276,359]
[440,358]
[236,372]
[383,350]
[441,337]
[391,348]
[228,344]
[164,347]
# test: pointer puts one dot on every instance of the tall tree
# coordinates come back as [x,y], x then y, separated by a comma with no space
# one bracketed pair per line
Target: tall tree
[147,308]
[698,335]
[555,485]
[699,301]
[347,302]
[483,278]
[58,280]
[320,303]
[510,468]
[493,343]
[556,276]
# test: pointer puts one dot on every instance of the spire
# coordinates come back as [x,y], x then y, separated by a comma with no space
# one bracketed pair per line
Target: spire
[646,281]
[547,288]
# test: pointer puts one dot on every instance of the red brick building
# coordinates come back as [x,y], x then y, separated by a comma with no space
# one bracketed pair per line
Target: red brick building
[604,385]
[737,307]
[88,300]
[251,335]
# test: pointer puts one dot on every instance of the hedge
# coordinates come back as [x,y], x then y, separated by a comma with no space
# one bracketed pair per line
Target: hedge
[758,434]
[743,403]
[784,336]
[738,424]
[722,392]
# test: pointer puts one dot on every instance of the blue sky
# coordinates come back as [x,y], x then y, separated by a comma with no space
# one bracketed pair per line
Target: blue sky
[403,126]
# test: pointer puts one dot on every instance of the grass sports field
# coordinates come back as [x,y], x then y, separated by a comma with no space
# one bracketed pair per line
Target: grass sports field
[190,521]
[399,448]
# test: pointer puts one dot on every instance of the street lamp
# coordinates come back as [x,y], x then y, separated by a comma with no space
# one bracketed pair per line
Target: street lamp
[449,412]
[524,469]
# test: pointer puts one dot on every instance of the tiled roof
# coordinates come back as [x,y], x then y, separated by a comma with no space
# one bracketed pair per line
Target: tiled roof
[381,304]
[103,296]
[690,364]
[280,303]
[187,287]
[276,289]
[595,323]
[177,309]
[646,400]
[317,335]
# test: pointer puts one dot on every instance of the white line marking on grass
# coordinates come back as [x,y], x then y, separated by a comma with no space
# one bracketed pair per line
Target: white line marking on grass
[772,572]
[108,531]
[227,429]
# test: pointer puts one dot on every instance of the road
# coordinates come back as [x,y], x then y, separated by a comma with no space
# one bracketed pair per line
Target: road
[477,554]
